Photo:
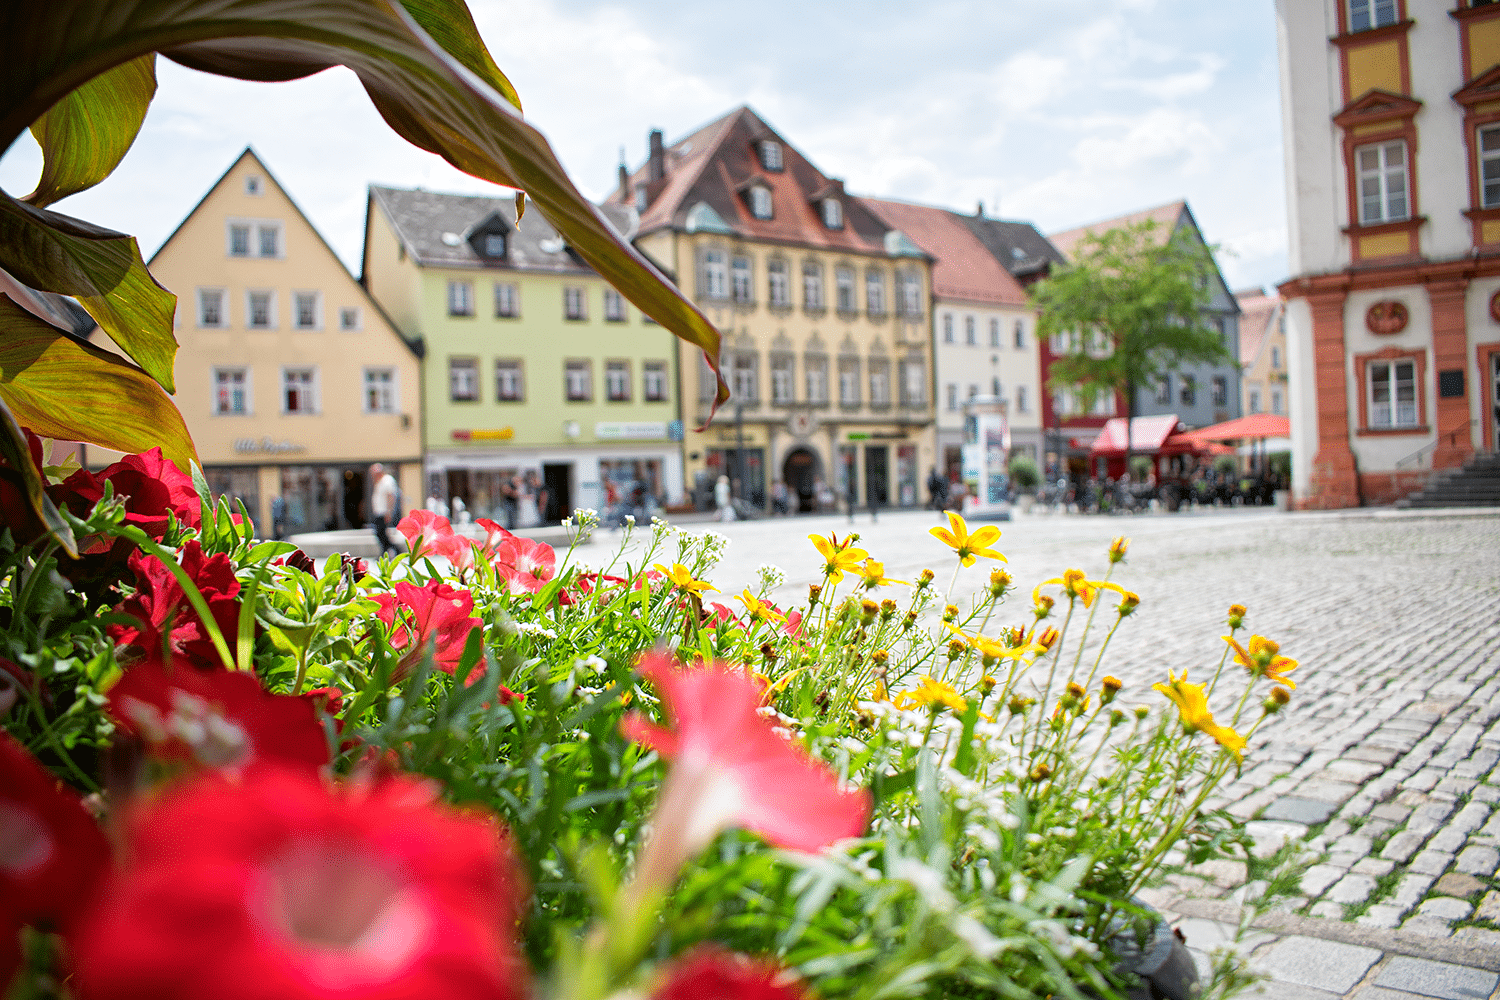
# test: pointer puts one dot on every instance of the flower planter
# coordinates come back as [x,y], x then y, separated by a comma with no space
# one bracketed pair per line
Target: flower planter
[1164,964]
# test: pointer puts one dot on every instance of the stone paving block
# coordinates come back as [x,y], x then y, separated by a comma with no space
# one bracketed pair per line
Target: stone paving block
[1489,907]
[1449,840]
[1479,935]
[1428,818]
[1324,965]
[1486,793]
[1378,756]
[1317,879]
[1437,979]
[1424,780]
[1390,812]
[1373,866]
[1471,817]
[1454,787]
[1270,836]
[1411,890]
[1296,809]
[1355,772]
[1445,908]
[1287,991]
[1343,859]
[1402,846]
[1327,909]
[1351,889]
[1427,926]
[1475,860]
[1458,885]
[1381,993]
[1222,872]
[1352,843]
[1324,790]
[1381,915]
[1209,935]
[1432,863]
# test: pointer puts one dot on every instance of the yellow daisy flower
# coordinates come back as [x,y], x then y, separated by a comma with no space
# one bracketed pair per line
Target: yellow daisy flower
[682,578]
[929,692]
[1264,659]
[873,574]
[1192,706]
[837,557]
[761,611]
[968,546]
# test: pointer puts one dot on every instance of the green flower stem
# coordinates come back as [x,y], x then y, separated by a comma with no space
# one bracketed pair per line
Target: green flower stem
[1100,658]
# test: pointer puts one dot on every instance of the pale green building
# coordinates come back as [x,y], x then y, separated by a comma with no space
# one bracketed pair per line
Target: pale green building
[532,362]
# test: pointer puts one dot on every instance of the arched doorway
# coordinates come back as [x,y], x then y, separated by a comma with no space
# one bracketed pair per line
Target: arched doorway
[800,471]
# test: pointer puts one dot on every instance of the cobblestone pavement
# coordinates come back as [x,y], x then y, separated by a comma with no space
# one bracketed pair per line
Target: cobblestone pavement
[1383,768]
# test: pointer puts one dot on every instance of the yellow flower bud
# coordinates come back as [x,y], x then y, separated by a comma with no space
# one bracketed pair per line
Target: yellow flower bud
[924,580]
[1043,607]
[1108,688]
[1236,617]
[868,610]
[950,613]
[1118,548]
[999,582]
[1019,703]
[987,683]
[1141,711]
[879,657]
[1041,772]
[813,593]
[1128,603]
[887,608]
[956,649]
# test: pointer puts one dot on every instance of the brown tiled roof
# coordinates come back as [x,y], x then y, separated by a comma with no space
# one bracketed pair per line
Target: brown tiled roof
[1165,217]
[962,267]
[1257,312]
[718,162]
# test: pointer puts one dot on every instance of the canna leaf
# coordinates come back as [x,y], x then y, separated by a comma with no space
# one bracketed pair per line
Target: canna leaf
[103,270]
[85,135]
[64,388]
[14,450]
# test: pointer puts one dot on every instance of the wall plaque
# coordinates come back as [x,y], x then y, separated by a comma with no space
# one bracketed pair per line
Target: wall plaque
[1386,317]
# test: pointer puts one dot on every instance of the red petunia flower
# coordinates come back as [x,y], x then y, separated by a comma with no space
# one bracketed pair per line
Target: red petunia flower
[730,769]
[494,537]
[438,612]
[277,886]
[426,533]
[152,487]
[52,851]
[216,719]
[158,597]
[711,972]
[529,558]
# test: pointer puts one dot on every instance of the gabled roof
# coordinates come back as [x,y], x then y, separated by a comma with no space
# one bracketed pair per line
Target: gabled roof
[1019,246]
[1167,217]
[715,164]
[435,228]
[1257,312]
[963,267]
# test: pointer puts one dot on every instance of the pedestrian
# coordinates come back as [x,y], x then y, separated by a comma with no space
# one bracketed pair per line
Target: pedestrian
[278,517]
[780,500]
[722,500]
[382,505]
[937,489]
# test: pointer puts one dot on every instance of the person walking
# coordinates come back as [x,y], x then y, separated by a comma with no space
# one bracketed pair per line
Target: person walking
[723,500]
[937,488]
[382,505]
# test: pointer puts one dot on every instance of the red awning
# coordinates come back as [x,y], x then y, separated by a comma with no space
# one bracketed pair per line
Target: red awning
[1147,434]
[1255,426]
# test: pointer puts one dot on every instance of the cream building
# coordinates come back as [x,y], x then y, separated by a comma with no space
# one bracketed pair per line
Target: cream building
[1262,352]
[823,310]
[289,377]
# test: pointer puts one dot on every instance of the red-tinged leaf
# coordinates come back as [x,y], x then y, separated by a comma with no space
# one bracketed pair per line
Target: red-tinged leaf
[64,388]
[13,449]
[86,134]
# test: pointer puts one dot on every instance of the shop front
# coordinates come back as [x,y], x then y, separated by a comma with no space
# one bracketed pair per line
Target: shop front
[285,500]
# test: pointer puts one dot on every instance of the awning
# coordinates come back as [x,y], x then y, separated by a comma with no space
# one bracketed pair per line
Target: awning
[1147,434]
[1255,426]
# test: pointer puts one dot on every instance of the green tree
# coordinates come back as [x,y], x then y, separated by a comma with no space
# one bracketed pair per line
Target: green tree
[1132,302]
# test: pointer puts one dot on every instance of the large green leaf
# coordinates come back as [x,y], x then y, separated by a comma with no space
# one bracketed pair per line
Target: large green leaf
[434,99]
[103,269]
[13,448]
[64,388]
[86,134]
[452,26]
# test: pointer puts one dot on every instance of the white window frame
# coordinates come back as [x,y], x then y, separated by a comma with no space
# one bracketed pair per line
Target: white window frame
[947,328]
[1163,390]
[314,397]
[231,230]
[1367,15]
[247,397]
[456,365]
[880,383]
[843,282]
[510,380]
[760,202]
[578,380]
[254,186]
[715,274]
[953,397]
[913,384]
[833,213]
[812,286]
[741,279]
[575,303]
[778,288]
[390,391]
[351,318]
[614,306]
[783,380]
[278,244]
[816,373]
[1489,165]
[1278,400]
[223,297]
[1276,358]
[1020,335]
[1220,390]
[971,334]
[317,310]
[271,311]
[743,380]
[995,333]
[460,297]
[617,380]
[1390,414]
[911,294]
[1187,390]
[654,381]
[489,247]
[1254,402]
[1379,199]
[849,382]
[770,155]
[874,292]
[507,300]
[1020,399]
[255,231]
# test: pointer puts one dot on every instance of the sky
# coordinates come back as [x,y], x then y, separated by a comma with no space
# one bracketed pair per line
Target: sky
[1062,113]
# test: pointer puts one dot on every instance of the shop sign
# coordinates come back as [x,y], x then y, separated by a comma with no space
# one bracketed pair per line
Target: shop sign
[644,430]
[859,436]
[265,446]
[485,434]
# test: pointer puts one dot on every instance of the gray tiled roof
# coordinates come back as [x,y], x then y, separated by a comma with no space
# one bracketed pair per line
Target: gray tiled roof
[1018,246]
[435,229]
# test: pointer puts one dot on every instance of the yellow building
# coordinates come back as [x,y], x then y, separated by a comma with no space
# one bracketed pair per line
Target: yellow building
[823,310]
[1262,352]
[291,380]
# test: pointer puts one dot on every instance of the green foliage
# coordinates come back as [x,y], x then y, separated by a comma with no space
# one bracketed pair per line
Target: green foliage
[1024,473]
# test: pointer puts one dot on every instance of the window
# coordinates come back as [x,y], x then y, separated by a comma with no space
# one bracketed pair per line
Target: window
[1489,166]
[740,279]
[994,333]
[1020,399]
[1020,334]
[742,380]
[1254,400]
[1188,393]
[1276,401]
[770,154]
[995,388]
[614,306]
[843,278]
[239,241]
[211,308]
[1104,404]
[252,184]
[947,328]
[833,213]
[349,318]
[913,384]
[812,286]
[574,303]
[1382,182]
[1221,390]
[617,381]
[507,300]
[463,380]
[654,381]
[910,300]
[298,390]
[1392,387]
[952,396]
[252,238]
[260,310]
[973,393]
[715,279]
[848,381]
[307,307]
[1163,390]
[510,381]
[782,379]
[642,199]
[880,383]
[460,298]
[1276,357]
[817,378]
[578,379]
[777,291]
[1367,14]
[494,244]
[380,390]
[269,239]
[875,292]
[760,202]
[969,331]
[231,391]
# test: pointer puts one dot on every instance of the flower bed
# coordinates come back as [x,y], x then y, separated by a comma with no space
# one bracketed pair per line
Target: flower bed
[485,769]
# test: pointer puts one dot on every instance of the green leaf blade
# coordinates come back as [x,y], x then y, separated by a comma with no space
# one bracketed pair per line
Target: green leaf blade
[86,134]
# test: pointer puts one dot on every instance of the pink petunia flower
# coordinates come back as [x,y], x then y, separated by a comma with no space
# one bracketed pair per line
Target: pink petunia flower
[528,557]
[730,769]
[426,533]
[159,599]
[710,971]
[278,885]
[438,612]
[494,537]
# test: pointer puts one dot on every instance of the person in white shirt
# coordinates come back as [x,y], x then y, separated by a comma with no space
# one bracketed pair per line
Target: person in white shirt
[382,503]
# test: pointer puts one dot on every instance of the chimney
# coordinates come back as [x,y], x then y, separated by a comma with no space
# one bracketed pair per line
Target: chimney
[624,179]
[979,212]
[658,161]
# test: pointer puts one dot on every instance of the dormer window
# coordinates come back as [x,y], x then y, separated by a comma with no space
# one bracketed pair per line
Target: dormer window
[760,202]
[640,198]
[494,244]
[252,184]
[770,155]
[833,213]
